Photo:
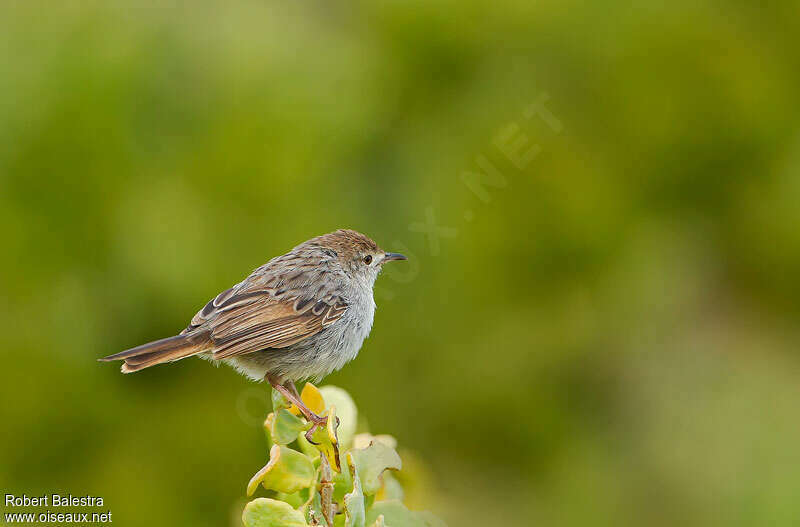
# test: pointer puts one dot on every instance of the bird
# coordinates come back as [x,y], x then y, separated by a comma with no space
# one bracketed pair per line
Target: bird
[300,316]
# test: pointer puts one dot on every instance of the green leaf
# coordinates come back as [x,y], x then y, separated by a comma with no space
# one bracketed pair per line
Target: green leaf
[345,409]
[286,427]
[279,401]
[364,439]
[268,429]
[295,500]
[372,461]
[264,512]
[326,441]
[315,516]
[391,489]
[379,522]
[354,501]
[306,447]
[288,471]
[342,482]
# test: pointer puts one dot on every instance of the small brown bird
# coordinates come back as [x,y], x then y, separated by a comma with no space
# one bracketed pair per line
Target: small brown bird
[300,316]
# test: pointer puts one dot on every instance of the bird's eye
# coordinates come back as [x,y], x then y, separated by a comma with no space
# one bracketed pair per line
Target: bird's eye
[368,259]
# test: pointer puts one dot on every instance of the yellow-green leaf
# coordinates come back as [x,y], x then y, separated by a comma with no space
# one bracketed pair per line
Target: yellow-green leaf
[325,437]
[268,428]
[363,440]
[312,398]
[315,516]
[265,512]
[306,447]
[288,471]
[391,489]
[354,501]
[286,427]
[295,500]
[279,401]
[345,409]
[371,462]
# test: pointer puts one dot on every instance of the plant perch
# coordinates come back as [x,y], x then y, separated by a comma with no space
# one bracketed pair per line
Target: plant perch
[333,477]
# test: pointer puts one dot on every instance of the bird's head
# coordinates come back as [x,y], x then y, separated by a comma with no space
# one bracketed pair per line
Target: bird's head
[357,254]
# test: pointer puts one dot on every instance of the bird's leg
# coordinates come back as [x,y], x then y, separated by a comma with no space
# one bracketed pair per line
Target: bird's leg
[290,392]
[293,388]
[314,423]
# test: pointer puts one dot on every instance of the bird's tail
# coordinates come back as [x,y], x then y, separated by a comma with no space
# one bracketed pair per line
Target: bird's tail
[164,350]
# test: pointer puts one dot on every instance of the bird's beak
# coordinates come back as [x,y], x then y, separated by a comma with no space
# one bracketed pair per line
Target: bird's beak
[388,257]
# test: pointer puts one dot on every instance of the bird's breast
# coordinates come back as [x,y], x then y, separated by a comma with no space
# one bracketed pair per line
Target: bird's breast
[359,325]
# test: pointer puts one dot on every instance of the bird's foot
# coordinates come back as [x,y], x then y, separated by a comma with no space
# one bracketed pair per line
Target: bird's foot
[289,391]
[318,421]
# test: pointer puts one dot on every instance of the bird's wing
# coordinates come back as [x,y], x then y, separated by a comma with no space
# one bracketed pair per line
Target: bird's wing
[243,321]
[262,322]
[274,307]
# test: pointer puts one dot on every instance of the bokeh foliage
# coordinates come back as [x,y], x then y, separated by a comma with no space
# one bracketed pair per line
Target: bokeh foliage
[620,318]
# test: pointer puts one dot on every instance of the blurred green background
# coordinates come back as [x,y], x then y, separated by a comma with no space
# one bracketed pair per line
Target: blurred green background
[611,339]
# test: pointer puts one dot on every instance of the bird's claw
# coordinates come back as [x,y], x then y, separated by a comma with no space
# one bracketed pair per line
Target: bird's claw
[320,421]
[310,433]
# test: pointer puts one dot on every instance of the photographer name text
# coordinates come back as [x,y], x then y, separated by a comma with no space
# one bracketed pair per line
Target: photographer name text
[53,501]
